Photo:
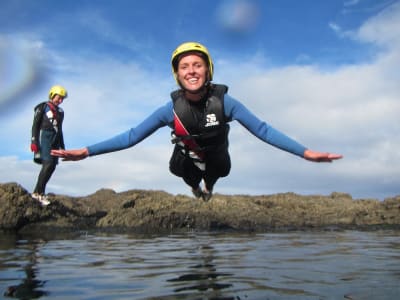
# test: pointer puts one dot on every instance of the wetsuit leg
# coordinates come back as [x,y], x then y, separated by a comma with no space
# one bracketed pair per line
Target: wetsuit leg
[192,175]
[47,170]
[217,165]
[183,166]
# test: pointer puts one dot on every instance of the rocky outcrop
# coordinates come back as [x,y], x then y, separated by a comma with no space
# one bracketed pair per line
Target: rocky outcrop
[158,211]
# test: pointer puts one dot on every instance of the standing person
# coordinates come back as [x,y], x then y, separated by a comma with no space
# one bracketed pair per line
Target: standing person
[198,114]
[47,134]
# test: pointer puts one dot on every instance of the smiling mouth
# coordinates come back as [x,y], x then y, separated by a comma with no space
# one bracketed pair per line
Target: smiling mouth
[193,80]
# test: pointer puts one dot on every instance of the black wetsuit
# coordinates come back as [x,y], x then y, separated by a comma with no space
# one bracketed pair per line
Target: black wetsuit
[47,134]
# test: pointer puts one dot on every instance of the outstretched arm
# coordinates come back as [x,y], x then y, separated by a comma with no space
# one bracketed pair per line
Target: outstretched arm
[235,110]
[161,117]
[320,156]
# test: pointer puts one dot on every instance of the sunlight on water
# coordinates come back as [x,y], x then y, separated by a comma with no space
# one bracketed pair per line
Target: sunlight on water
[295,265]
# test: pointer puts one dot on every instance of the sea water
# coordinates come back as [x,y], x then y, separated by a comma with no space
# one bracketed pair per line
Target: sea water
[202,265]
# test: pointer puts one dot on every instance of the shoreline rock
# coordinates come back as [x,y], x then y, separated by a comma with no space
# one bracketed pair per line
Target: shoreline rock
[158,211]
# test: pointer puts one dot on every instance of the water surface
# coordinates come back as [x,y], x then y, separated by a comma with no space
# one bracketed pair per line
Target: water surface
[193,265]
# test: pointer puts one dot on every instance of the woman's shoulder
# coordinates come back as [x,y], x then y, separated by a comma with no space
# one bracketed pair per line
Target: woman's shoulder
[231,102]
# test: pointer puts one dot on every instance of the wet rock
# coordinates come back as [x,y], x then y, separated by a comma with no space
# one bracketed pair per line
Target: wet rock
[156,211]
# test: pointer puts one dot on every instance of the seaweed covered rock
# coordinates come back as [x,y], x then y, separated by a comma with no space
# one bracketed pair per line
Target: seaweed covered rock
[156,211]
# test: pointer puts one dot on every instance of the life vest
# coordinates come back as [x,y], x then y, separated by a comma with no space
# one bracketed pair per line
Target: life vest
[201,127]
[54,116]
[48,117]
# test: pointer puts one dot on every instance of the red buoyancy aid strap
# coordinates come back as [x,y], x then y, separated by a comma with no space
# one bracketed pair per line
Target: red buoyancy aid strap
[53,110]
[180,130]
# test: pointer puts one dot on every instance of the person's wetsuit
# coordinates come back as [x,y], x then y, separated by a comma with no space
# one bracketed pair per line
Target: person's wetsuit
[47,135]
[218,166]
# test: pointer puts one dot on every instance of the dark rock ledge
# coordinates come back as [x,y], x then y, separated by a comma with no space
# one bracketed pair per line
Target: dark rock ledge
[158,211]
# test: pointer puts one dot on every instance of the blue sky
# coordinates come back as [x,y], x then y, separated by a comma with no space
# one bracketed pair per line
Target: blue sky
[323,72]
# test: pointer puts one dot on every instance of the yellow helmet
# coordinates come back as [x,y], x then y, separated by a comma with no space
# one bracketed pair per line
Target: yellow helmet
[58,90]
[191,47]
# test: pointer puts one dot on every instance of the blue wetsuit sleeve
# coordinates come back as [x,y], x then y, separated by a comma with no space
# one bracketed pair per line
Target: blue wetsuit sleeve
[235,110]
[163,116]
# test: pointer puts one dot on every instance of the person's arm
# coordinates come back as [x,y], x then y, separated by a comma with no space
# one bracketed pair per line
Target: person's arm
[37,120]
[60,130]
[235,110]
[161,117]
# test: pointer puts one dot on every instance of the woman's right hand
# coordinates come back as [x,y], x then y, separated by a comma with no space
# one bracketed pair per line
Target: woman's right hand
[71,155]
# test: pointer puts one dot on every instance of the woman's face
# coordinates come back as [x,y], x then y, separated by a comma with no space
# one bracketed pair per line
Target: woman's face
[192,72]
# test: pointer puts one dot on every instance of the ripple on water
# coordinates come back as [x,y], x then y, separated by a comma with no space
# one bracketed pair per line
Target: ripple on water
[293,265]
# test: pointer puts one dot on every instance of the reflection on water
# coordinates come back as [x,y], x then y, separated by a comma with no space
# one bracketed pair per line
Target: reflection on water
[29,287]
[293,265]
[202,277]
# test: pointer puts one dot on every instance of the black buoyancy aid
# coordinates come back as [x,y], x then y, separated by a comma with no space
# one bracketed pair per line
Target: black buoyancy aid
[52,121]
[201,127]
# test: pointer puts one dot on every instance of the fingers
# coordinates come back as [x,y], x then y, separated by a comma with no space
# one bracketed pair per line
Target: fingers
[70,155]
[59,153]
[56,153]
[329,157]
[334,156]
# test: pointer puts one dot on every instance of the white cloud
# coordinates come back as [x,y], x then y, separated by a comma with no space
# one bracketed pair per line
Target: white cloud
[340,32]
[383,29]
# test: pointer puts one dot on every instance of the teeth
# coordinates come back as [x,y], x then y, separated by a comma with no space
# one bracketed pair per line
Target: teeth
[192,80]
